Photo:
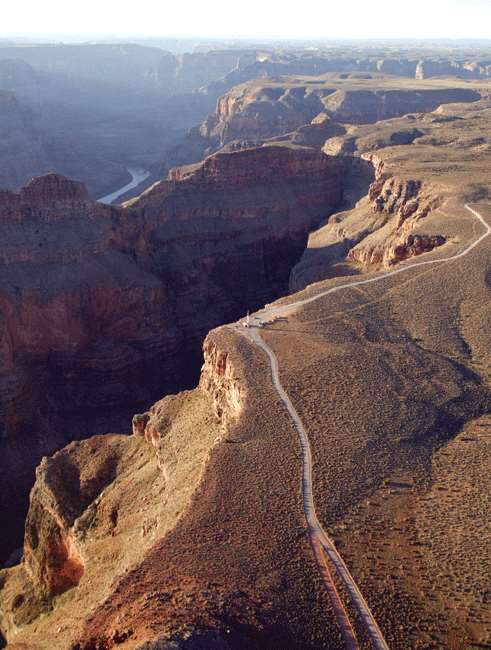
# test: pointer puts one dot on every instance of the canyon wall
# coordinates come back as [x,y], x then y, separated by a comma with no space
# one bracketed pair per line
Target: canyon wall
[94,498]
[79,103]
[312,110]
[398,205]
[365,106]
[262,111]
[104,309]
[190,530]
[383,228]
[39,133]
[277,64]
[400,216]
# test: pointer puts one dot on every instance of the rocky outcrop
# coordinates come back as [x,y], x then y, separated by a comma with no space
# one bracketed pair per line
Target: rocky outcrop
[380,229]
[63,503]
[64,488]
[53,188]
[73,506]
[219,382]
[415,245]
[219,379]
[98,506]
[104,310]
[47,198]
[315,134]
[398,206]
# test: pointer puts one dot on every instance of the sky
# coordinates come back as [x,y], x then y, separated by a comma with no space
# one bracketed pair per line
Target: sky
[302,19]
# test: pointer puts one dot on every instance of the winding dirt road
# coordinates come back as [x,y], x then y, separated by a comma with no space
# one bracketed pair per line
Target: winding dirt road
[319,539]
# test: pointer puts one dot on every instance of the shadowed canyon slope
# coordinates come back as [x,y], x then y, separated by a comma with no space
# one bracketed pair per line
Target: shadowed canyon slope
[190,532]
[105,309]
[93,110]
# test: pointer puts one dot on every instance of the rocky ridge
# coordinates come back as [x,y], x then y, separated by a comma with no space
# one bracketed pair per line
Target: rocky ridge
[384,228]
[258,110]
[399,216]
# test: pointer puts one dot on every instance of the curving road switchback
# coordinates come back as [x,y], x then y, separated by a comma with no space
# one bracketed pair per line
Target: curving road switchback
[320,541]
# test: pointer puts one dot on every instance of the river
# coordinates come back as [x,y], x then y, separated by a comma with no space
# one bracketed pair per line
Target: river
[137,177]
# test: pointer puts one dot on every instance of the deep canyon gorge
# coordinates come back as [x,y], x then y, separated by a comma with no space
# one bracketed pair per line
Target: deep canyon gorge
[146,466]
[105,309]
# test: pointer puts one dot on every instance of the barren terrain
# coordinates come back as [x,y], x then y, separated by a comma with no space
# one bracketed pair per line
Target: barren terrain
[191,532]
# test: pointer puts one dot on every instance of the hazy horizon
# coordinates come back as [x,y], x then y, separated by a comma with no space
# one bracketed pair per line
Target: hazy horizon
[312,20]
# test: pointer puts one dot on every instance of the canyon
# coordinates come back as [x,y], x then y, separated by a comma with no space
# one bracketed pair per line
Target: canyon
[189,532]
[92,294]
[78,102]
[313,108]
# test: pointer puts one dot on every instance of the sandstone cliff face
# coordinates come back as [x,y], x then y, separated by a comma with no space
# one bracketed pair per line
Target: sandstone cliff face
[79,320]
[468,69]
[219,379]
[65,487]
[225,394]
[261,113]
[104,310]
[256,111]
[63,506]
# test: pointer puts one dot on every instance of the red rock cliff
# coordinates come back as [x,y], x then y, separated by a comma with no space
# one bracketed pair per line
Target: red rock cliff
[105,309]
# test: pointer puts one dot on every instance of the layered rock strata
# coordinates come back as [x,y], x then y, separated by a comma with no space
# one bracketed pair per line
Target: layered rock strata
[305,112]
[382,229]
[257,110]
[101,504]
[104,309]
